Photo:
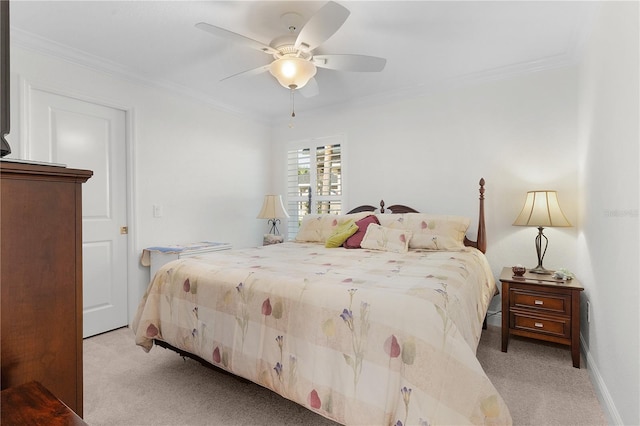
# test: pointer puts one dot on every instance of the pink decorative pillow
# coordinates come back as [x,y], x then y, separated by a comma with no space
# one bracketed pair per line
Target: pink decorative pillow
[355,240]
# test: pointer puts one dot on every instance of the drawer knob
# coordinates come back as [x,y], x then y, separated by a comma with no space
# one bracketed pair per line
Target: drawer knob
[538,324]
[539,302]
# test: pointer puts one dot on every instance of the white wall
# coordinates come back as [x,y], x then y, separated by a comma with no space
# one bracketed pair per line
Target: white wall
[574,130]
[208,169]
[608,225]
[430,152]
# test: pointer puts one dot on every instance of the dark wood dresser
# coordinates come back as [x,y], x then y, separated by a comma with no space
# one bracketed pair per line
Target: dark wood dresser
[41,278]
[32,404]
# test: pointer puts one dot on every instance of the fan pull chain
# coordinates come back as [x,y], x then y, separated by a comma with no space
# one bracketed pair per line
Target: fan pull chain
[293,112]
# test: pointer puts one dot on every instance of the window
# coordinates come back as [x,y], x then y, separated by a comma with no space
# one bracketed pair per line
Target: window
[314,180]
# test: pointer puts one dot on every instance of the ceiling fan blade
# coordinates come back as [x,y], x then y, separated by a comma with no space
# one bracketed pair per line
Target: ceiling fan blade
[310,89]
[361,63]
[254,71]
[322,25]
[235,37]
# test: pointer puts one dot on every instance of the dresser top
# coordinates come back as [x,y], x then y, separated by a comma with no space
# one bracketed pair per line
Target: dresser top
[28,170]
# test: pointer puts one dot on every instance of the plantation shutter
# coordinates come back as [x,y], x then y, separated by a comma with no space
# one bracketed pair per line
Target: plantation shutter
[314,180]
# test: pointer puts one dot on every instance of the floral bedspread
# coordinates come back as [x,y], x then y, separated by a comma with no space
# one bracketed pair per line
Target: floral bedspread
[358,336]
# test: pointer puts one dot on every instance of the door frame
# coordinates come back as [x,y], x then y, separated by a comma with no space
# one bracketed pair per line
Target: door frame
[26,86]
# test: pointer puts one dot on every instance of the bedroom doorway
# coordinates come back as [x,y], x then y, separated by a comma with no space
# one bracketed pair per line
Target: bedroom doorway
[88,135]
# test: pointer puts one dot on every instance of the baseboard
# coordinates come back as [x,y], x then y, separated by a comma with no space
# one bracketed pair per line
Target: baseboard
[602,392]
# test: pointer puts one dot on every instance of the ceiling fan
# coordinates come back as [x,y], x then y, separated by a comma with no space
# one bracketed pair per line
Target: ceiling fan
[294,63]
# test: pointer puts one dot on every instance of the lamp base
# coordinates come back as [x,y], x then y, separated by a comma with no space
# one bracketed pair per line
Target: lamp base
[5,149]
[274,227]
[541,252]
[540,270]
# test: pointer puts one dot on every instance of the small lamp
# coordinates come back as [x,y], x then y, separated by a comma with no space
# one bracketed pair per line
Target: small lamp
[272,209]
[541,209]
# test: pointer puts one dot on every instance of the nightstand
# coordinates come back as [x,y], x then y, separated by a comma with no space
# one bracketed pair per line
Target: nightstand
[270,239]
[540,307]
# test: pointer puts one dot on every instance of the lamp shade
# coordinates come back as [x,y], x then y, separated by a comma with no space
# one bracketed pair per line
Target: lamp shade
[541,209]
[272,208]
[292,72]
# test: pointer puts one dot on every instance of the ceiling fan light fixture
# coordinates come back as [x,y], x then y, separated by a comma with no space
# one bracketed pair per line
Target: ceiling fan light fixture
[292,72]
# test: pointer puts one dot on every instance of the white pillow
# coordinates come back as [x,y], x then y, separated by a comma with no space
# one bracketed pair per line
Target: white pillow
[310,229]
[316,228]
[395,221]
[386,239]
[436,232]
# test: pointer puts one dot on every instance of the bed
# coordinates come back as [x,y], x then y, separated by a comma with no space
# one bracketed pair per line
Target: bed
[382,334]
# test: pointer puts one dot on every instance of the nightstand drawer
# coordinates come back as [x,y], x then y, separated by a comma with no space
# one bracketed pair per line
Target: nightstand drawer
[551,326]
[542,302]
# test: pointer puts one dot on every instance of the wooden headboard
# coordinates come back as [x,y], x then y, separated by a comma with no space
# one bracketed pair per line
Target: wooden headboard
[481,240]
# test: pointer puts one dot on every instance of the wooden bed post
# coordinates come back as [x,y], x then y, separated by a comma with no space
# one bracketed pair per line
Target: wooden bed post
[482,231]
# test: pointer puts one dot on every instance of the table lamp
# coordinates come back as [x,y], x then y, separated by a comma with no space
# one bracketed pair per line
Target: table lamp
[272,209]
[541,209]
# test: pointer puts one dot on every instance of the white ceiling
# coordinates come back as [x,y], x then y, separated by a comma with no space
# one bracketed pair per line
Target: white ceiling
[427,44]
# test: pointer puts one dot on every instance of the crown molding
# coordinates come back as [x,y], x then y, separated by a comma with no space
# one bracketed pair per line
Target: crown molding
[41,45]
[569,57]
[562,60]
[30,41]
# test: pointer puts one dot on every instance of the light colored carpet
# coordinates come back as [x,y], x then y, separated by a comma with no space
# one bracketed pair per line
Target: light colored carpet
[538,382]
[123,385]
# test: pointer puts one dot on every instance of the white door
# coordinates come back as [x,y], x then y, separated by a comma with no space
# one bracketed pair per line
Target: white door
[87,135]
